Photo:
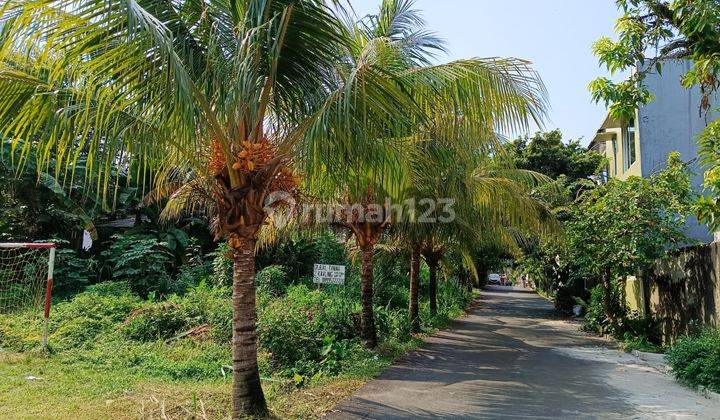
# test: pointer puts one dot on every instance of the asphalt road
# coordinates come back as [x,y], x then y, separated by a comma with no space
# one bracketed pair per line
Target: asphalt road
[512,358]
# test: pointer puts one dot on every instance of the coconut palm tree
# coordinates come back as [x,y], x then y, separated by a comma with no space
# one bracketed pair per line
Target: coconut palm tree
[471,96]
[217,100]
[209,98]
[491,199]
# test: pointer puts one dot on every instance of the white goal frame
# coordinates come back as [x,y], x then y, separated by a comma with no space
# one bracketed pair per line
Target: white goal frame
[50,246]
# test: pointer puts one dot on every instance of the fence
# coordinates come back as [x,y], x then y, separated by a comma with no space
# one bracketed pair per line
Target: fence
[682,292]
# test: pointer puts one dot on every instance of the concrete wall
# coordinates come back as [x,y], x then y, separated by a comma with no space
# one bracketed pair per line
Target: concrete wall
[682,291]
[671,122]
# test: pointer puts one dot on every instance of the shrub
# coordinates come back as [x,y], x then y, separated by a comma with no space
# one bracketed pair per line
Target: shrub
[635,331]
[567,294]
[91,314]
[18,332]
[641,333]
[595,319]
[222,265]
[193,271]
[297,254]
[696,360]
[330,250]
[272,279]
[305,331]
[71,273]
[80,332]
[191,275]
[142,261]
[155,321]
[392,323]
[203,308]
[111,301]
[204,305]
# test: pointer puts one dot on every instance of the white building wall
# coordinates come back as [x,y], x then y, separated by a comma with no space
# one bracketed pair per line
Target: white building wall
[671,122]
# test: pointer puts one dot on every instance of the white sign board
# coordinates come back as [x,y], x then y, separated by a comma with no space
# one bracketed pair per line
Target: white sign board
[329,274]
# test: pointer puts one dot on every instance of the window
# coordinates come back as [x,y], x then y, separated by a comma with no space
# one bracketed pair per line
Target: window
[629,145]
[614,151]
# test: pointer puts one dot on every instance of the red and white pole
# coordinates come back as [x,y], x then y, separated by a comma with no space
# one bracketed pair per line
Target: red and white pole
[48,296]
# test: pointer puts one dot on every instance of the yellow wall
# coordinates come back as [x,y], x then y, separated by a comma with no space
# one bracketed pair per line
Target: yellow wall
[615,155]
[615,151]
[634,169]
[634,295]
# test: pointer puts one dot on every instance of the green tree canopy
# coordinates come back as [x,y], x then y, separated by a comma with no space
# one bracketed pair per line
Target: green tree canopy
[546,153]
[649,33]
[621,228]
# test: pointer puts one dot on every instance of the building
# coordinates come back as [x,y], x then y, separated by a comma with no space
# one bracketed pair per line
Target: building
[671,122]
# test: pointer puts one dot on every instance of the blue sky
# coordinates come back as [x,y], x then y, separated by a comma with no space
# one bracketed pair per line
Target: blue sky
[555,35]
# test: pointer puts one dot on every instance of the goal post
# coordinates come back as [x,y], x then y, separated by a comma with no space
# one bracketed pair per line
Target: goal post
[26,279]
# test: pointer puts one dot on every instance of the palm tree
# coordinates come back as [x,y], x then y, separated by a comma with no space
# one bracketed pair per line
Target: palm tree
[491,201]
[221,98]
[209,99]
[473,96]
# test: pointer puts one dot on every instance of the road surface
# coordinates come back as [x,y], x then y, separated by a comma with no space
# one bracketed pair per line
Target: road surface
[512,358]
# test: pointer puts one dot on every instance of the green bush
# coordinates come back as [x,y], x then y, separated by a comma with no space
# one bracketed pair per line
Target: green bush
[222,265]
[209,306]
[96,312]
[641,333]
[297,254]
[306,331]
[696,360]
[155,321]
[635,331]
[111,301]
[190,275]
[595,318]
[195,269]
[201,307]
[272,279]
[567,294]
[71,272]
[329,249]
[286,334]
[142,261]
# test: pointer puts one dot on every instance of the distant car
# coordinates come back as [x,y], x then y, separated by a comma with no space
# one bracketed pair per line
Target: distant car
[494,278]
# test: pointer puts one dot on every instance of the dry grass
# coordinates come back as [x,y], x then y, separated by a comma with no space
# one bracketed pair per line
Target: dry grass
[184,401]
[58,391]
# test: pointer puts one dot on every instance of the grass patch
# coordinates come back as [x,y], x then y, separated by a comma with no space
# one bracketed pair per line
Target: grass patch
[39,387]
[114,355]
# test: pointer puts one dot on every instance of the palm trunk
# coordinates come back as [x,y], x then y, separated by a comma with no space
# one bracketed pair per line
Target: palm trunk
[367,317]
[432,286]
[413,310]
[247,394]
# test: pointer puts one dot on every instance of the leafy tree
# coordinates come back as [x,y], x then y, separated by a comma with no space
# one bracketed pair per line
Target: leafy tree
[653,31]
[33,204]
[621,228]
[571,167]
[546,153]
[491,202]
